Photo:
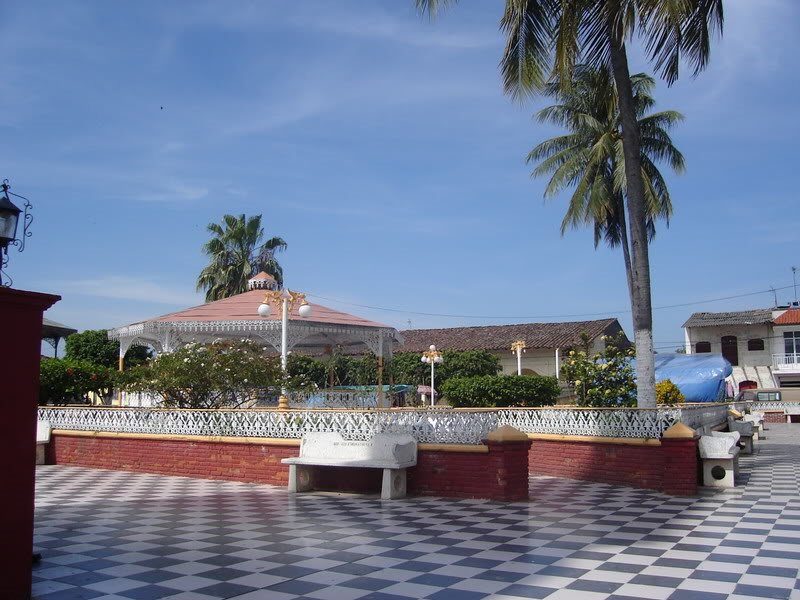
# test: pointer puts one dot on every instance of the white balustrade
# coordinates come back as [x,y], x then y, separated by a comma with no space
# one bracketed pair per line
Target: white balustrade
[426,425]
[786,362]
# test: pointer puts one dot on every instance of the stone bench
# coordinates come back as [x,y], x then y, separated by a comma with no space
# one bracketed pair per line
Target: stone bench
[757,419]
[42,439]
[720,456]
[393,453]
[746,433]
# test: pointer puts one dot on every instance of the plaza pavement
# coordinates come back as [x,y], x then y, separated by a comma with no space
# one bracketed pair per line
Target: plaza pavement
[118,535]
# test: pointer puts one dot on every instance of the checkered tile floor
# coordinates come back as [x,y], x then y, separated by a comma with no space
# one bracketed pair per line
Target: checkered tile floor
[116,535]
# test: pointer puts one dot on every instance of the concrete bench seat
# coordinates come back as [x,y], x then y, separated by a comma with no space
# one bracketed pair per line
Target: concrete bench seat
[746,433]
[393,453]
[720,455]
[42,439]
[757,419]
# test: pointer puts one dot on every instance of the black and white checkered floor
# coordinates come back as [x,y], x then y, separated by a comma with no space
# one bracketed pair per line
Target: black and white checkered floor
[118,535]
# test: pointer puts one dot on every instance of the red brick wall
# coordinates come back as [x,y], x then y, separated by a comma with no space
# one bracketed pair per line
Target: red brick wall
[501,474]
[671,468]
[774,417]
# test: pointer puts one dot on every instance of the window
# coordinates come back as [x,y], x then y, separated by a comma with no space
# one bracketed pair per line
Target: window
[769,396]
[755,345]
[791,340]
[701,347]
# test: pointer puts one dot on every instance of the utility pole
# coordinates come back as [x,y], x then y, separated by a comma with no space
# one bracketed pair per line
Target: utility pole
[794,280]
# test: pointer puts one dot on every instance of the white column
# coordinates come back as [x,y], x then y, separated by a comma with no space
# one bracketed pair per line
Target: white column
[519,361]
[381,399]
[558,363]
[284,332]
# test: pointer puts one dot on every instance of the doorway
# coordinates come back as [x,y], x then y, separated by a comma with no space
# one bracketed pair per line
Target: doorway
[730,349]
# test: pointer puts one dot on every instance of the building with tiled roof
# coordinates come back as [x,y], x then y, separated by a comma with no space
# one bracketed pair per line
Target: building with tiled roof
[545,343]
[762,345]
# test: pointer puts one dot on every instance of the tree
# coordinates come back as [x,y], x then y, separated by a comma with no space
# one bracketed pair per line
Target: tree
[216,375]
[546,38]
[93,346]
[590,157]
[604,379]
[236,253]
[71,381]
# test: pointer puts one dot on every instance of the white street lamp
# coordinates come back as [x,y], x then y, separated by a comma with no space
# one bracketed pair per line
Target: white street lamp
[432,357]
[518,347]
[286,300]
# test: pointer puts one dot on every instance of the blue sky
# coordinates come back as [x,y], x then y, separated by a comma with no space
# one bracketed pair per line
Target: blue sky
[380,146]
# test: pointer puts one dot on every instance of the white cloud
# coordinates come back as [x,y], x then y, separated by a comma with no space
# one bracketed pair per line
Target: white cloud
[130,288]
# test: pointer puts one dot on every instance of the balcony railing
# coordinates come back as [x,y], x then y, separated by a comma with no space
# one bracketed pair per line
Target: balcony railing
[786,362]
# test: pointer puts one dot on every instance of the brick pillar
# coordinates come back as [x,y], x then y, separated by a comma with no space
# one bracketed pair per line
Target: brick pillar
[20,351]
[679,447]
[507,471]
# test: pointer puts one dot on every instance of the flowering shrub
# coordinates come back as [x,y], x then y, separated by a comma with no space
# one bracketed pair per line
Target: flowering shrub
[220,374]
[669,393]
[65,381]
[604,379]
[501,390]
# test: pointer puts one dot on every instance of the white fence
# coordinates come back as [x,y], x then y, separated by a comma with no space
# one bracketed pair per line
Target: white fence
[426,425]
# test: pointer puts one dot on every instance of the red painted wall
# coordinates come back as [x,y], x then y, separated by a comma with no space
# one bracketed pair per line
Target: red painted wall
[20,352]
[774,417]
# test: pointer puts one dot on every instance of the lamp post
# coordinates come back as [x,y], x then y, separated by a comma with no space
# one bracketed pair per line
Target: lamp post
[432,357]
[9,221]
[286,300]
[518,348]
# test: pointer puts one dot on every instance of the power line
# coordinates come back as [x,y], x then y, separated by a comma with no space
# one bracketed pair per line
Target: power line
[531,318]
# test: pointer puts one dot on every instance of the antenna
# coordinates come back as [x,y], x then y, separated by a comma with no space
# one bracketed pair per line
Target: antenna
[794,279]
[775,294]
[409,323]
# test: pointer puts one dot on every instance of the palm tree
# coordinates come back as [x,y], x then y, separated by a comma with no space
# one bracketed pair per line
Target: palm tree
[549,37]
[591,159]
[236,253]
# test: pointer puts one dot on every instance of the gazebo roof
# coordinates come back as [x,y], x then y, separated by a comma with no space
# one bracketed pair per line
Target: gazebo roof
[237,317]
[52,329]
[244,307]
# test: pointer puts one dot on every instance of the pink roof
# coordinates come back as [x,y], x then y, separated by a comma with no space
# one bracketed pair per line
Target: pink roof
[244,307]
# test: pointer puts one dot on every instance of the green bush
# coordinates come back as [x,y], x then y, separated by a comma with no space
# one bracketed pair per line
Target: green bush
[501,390]
[407,368]
[669,393]
[220,374]
[66,381]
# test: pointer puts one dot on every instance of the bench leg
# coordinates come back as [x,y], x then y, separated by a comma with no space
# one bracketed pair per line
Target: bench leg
[719,473]
[394,484]
[40,454]
[301,478]
[747,442]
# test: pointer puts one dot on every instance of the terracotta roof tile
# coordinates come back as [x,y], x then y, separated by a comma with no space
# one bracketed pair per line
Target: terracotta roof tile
[757,316]
[500,337]
[790,317]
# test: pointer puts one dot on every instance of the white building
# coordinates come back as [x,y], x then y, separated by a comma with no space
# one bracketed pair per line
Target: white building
[762,345]
[545,343]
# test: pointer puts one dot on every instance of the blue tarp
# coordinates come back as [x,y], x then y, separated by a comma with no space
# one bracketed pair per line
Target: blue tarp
[700,377]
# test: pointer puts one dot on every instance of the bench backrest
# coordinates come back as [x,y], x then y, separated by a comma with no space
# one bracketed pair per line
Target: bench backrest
[392,447]
[717,446]
[42,432]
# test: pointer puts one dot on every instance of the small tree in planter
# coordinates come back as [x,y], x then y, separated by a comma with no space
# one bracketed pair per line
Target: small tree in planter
[221,374]
[605,379]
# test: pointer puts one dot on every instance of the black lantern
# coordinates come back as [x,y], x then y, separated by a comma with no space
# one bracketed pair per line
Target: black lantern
[9,216]
[9,222]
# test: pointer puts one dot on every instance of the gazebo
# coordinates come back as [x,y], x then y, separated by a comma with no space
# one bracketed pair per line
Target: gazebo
[53,333]
[237,317]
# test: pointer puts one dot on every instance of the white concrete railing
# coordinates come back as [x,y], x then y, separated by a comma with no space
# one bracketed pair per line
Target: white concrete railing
[426,425]
[792,407]
[784,362]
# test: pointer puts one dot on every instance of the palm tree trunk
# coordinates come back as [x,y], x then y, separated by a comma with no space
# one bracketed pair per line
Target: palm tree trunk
[640,261]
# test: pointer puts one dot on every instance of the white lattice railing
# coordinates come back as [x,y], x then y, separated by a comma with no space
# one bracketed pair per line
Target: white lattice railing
[791,407]
[427,425]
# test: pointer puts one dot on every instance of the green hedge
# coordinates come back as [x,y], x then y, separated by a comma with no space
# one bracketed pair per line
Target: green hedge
[501,390]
